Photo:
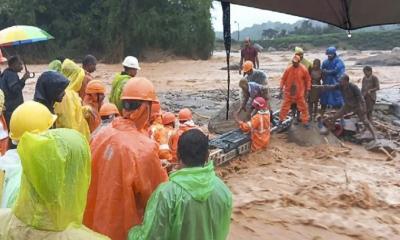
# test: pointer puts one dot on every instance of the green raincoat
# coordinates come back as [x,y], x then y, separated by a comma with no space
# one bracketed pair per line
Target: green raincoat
[55,180]
[194,204]
[117,86]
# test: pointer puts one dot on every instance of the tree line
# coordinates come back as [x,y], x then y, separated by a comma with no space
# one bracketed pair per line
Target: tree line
[113,29]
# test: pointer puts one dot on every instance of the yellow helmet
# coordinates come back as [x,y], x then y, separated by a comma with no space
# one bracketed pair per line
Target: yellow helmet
[31,117]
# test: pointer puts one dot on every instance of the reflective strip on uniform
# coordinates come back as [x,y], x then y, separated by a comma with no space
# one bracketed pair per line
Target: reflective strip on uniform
[164,147]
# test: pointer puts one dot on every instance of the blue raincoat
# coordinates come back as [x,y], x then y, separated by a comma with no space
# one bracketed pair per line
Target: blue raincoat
[333,70]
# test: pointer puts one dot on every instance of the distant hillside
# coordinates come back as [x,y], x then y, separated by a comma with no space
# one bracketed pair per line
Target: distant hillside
[255,31]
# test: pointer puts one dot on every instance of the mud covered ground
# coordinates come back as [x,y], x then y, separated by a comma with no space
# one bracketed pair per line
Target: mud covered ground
[287,192]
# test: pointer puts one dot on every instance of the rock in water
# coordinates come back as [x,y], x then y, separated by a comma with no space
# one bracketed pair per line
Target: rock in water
[218,123]
[310,137]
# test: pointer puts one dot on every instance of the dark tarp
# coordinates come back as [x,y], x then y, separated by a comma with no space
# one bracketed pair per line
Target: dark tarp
[346,14]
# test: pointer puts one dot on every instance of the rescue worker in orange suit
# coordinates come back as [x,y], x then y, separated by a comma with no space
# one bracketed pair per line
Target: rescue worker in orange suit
[185,123]
[163,135]
[126,168]
[95,94]
[155,119]
[295,87]
[108,111]
[259,125]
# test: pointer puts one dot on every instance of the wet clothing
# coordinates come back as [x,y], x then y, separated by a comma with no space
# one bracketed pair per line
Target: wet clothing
[163,136]
[48,88]
[93,116]
[332,72]
[173,143]
[257,76]
[194,204]
[259,127]
[353,99]
[316,77]
[369,83]
[307,64]
[88,77]
[11,164]
[125,172]
[55,65]
[70,111]
[249,54]
[295,83]
[12,87]
[54,184]
[116,89]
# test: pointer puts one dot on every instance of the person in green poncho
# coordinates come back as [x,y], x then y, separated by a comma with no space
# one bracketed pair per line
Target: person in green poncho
[131,67]
[194,204]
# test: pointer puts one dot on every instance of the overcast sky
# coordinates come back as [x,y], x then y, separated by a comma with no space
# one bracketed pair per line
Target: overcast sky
[247,16]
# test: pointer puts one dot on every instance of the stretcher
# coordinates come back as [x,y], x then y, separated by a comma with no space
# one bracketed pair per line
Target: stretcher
[235,143]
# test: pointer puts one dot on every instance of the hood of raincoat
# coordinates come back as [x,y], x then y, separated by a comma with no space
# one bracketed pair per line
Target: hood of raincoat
[48,87]
[74,73]
[331,50]
[117,86]
[55,65]
[197,181]
[55,179]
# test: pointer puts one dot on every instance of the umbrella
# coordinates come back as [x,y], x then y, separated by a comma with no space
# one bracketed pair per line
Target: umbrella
[21,35]
[345,14]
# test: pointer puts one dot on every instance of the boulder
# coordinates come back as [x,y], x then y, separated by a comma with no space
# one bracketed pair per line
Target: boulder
[271,49]
[381,60]
[396,50]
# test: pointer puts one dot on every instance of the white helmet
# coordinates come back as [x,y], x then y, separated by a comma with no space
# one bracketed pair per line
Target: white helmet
[131,62]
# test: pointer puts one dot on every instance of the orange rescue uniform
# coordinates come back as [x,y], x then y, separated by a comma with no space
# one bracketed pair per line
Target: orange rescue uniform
[296,81]
[125,172]
[173,143]
[163,136]
[259,127]
[93,119]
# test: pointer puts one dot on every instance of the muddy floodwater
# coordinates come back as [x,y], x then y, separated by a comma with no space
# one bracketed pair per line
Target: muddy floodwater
[287,192]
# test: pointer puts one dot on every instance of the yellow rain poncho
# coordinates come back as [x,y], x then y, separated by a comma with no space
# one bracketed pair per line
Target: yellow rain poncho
[54,184]
[116,89]
[70,111]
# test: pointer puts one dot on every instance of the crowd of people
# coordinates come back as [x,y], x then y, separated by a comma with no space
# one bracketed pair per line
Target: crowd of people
[304,87]
[75,166]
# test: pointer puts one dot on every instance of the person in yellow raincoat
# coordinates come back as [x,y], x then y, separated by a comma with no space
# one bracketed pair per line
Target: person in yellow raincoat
[70,111]
[131,67]
[21,122]
[54,185]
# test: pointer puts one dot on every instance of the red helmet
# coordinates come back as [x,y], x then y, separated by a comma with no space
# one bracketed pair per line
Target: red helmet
[259,103]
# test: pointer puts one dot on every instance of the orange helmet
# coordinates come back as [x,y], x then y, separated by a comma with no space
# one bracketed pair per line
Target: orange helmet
[185,114]
[139,88]
[168,118]
[95,86]
[248,66]
[108,109]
